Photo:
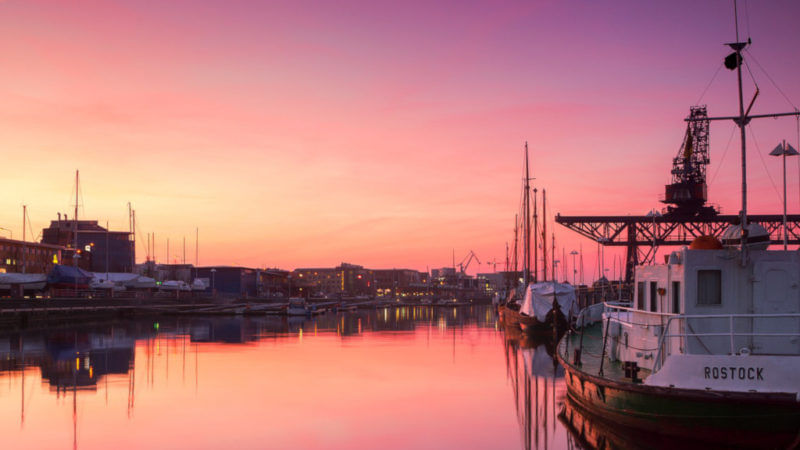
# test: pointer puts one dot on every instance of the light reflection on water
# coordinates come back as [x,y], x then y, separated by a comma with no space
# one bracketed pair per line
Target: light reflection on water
[406,377]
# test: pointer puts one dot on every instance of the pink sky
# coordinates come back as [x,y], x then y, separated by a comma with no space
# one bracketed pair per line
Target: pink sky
[387,134]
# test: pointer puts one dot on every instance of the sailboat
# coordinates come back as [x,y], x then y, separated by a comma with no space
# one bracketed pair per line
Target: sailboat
[711,347]
[546,306]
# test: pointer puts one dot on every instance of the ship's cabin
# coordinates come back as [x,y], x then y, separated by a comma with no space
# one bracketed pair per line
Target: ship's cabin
[704,300]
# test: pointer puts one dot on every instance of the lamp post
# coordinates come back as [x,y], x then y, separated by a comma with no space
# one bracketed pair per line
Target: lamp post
[784,149]
[574,268]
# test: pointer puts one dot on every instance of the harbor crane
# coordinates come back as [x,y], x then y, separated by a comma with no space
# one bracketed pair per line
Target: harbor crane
[686,215]
[464,264]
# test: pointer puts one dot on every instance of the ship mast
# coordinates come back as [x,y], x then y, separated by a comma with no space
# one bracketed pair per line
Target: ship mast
[737,47]
[734,61]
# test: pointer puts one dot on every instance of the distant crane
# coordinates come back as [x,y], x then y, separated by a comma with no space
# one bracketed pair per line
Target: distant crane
[464,264]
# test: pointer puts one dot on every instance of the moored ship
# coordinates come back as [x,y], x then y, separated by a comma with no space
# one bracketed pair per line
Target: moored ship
[711,346]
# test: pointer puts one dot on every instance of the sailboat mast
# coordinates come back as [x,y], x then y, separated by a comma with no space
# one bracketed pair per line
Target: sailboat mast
[527,212]
[133,245]
[106,250]
[553,257]
[25,249]
[75,222]
[544,232]
[516,249]
[535,238]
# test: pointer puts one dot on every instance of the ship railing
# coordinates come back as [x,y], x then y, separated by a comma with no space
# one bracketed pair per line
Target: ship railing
[729,334]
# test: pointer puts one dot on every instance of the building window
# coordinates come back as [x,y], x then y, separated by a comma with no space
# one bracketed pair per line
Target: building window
[709,287]
[676,297]
[640,295]
[653,295]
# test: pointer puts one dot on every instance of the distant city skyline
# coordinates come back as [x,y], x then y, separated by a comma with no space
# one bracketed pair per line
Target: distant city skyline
[382,134]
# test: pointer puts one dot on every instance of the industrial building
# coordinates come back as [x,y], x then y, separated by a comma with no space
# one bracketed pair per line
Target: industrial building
[230,280]
[28,257]
[101,250]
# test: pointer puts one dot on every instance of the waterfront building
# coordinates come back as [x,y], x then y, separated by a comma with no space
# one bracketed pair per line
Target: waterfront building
[101,250]
[273,283]
[400,282]
[230,280]
[29,257]
[346,279]
[492,282]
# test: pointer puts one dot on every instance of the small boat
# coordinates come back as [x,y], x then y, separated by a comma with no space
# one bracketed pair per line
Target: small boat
[548,305]
[140,283]
[298,307]
[198,285]
[175,285]
[30,282]
[101,284]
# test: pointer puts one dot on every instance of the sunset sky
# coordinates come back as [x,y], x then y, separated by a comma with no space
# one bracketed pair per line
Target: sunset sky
[386,134]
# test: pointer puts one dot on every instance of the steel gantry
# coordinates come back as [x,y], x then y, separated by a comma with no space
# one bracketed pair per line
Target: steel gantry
[642,235]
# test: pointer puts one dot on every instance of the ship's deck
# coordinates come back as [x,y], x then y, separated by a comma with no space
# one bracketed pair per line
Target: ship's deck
[591,354]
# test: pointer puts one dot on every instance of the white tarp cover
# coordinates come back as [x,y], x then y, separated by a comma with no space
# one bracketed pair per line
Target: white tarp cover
[116,277]
[538,300]
[199,284]
[22,278]
[141,282]
[175,285]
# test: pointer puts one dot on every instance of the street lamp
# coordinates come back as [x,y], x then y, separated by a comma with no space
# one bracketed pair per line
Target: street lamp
[574,268]
[784,149]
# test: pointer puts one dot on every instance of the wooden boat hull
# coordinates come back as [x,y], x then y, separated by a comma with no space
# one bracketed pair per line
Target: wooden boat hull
[760,419]
[532,325]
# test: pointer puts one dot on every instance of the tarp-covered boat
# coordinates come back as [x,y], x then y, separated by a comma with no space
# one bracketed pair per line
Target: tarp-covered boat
[68,277]
[28,281]
[538,301]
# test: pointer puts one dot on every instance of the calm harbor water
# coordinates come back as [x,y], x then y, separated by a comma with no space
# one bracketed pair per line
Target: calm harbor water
[407,377]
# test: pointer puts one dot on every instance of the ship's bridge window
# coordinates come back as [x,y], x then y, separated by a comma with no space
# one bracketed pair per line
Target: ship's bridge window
[709,287]
[676,297]
[640,295]
[653,291]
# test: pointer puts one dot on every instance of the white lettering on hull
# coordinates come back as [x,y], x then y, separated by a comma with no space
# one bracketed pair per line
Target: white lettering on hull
[759,373]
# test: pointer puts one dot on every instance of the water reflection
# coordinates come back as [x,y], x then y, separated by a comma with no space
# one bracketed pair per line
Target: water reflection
[167,359]
[537,382]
